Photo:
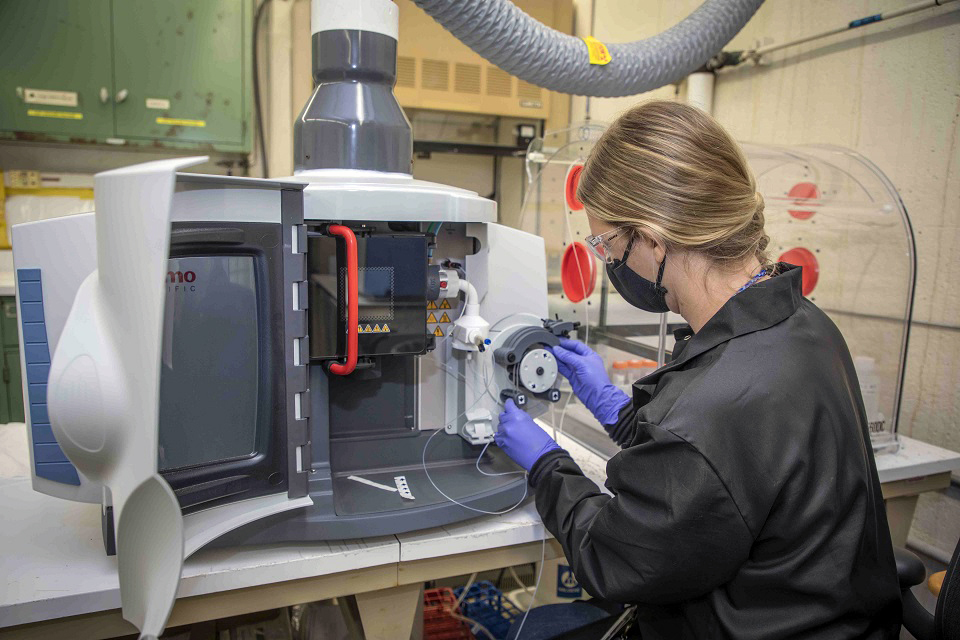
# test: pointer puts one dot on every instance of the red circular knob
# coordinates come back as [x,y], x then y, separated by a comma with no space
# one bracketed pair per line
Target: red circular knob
[803,192]
[573,181]
[578,272]
[804,259]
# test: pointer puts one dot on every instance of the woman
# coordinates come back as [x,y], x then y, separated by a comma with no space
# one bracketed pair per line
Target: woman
[745,499]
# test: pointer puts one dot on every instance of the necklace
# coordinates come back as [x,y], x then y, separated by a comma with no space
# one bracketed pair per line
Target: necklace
[752,281]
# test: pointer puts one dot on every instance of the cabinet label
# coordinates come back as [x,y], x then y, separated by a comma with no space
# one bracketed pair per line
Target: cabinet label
[181,122]
[47,96]
[41,113]
[158,103]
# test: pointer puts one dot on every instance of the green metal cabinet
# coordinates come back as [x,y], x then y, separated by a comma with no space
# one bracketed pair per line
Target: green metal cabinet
[11,391]
[55,62]
[179,63]
[170,73]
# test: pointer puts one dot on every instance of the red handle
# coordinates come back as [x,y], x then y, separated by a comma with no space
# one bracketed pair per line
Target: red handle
[353,313]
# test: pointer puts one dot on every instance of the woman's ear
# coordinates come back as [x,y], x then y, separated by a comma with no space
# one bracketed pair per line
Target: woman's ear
[654,243]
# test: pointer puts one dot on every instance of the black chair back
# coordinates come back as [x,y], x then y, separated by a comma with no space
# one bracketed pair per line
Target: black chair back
[947,618]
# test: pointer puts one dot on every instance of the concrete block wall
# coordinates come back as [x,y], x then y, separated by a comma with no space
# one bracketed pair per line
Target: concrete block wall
[890,91]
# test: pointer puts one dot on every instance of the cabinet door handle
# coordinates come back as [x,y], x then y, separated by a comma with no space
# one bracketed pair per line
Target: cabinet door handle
[121,95]
[104,95]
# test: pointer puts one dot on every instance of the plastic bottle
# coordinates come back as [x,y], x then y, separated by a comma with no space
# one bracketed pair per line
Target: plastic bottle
[869,386]
[640,368]
[620,376]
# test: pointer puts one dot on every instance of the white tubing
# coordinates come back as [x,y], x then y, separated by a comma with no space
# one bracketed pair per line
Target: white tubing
[472,298]
[377,16]
[700,91]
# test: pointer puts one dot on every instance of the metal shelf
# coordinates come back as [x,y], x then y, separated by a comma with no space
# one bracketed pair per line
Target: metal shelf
[433,146]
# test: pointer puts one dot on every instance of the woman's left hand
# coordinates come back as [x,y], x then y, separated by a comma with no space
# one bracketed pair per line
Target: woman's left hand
[521,438]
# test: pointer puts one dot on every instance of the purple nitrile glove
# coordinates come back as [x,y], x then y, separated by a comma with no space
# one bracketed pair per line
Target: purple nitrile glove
[520,437]
[583,367]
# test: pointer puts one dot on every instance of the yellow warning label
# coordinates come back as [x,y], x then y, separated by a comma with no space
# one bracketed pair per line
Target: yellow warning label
[598,52]
[444,317]
[181,122]
[376,328]
[367,329]
[431,318]
[445,304]
[437,332]
[360,328]
[43,113]
[385,329]
[431,305]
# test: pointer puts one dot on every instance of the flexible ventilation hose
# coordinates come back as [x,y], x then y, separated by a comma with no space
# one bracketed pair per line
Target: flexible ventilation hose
[532,51]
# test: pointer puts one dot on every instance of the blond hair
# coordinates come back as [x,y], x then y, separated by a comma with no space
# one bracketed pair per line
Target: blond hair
[672,170]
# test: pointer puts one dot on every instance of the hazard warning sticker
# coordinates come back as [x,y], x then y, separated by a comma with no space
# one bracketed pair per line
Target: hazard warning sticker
[444,305]
[438,332]
[377,328]
[431,305]
[444,317]
[432,318]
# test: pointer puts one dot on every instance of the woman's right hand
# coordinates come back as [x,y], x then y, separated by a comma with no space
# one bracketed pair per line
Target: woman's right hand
[584,368]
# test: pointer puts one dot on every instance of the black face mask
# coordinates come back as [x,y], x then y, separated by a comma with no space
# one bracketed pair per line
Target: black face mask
[638,291]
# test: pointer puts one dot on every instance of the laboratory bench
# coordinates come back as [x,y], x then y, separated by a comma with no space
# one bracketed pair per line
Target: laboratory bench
[56,581]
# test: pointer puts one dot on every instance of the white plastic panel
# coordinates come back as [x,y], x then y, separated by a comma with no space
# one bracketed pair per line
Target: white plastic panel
[509,271]
[63,252]
[103,389]
[205,526]
[336,194]
[206,202]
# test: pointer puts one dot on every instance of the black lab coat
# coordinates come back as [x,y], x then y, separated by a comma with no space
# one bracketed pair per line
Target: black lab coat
[745,500]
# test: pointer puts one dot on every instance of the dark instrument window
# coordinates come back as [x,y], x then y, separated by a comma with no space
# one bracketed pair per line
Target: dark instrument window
[210,362]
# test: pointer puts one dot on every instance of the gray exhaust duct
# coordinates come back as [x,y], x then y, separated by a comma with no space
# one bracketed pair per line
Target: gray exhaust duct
[522,46]
[353,120]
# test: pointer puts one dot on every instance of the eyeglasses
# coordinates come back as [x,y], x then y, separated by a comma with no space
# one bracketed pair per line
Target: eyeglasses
[600,245]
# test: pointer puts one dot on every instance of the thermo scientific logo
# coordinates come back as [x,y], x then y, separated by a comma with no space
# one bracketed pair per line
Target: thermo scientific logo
[181,281]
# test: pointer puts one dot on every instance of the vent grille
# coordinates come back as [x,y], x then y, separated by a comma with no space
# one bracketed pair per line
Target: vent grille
[436,75]
[406,72]
[466,78]
[499,82]
[527,90]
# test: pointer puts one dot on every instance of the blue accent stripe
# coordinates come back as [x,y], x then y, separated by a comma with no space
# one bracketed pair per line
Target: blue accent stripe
[30,292]
[48,453]
[43,434]
[48,458]
[62,472]
[31,311]
[877,17]
[38,391]
[34,333]
[38,414]
[36,353]
[28,275]
[37,373]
